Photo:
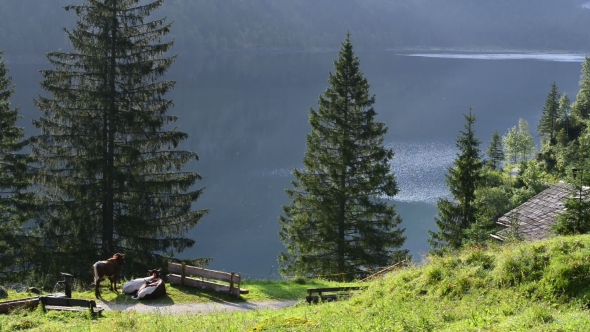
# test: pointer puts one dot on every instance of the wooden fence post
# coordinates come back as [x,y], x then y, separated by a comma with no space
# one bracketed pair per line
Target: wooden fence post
[183,274]
[239,283]
[231,284]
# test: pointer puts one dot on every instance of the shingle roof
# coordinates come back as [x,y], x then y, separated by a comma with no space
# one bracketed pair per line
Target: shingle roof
[537,215]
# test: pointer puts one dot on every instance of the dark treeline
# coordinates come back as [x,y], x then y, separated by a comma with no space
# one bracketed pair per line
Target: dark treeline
[32,27]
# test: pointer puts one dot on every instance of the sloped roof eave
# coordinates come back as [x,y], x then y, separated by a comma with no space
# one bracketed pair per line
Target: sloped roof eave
[538,213]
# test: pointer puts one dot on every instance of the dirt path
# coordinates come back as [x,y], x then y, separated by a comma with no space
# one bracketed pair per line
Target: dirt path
[194,308]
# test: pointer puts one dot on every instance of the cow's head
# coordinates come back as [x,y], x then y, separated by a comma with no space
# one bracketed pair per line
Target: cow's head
[154,273]
[119,258]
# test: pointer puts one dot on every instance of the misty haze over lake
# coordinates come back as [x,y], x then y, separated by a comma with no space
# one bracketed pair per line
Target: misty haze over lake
[247,117]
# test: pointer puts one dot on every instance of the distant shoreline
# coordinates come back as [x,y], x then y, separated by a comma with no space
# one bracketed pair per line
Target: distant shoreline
[27,59]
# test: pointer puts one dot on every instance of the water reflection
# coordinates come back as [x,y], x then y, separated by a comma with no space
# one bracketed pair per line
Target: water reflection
[504,56]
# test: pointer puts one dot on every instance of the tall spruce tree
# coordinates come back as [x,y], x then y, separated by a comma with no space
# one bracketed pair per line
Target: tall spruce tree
[496,151]
[109,166]
[459,214]
[550,116]
[15,198]
[339,223]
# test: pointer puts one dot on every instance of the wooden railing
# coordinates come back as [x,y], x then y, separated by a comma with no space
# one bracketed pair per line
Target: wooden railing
[385,270]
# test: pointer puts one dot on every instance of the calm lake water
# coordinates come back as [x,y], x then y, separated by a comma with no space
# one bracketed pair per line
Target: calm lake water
[247,117]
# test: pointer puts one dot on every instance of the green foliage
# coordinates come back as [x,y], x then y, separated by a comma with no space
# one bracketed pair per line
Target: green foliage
[479,232]
[572,143]
[16,200]
[529,181]
[109,168]
[518,143]
[533,178]
[575,219]
[510,141]
[496,193]
[581,107]
[491,202]
[339,224]
[463,179]
[564,116]
[499,194]
[558,128]
[513,234]
[548,156]
[548,123]
[496,151]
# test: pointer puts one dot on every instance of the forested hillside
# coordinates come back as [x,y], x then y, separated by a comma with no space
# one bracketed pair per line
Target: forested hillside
[33,26]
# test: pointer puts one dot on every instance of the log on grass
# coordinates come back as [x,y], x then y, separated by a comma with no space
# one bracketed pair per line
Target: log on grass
[7,306]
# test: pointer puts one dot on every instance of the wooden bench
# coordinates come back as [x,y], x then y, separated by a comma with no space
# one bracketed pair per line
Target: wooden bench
[187,275]
[67,304]
[334,293]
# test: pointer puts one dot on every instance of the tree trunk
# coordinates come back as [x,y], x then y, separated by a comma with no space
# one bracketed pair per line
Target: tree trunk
[108,208]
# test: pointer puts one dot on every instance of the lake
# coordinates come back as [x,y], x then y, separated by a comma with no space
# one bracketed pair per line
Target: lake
[247,117]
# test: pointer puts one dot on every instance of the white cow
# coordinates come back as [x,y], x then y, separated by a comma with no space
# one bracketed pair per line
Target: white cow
[131,287]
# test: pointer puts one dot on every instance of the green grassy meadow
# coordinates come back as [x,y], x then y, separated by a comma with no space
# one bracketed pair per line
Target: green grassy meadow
[540,286]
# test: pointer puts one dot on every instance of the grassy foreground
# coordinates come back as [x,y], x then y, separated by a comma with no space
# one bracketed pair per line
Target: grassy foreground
[541,286]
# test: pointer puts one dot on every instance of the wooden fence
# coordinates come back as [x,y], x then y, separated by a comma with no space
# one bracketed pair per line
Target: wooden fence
[7,306]
[192,276]
[385,270]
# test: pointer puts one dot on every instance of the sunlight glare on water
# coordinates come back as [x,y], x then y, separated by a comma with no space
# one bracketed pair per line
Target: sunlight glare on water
[419,168]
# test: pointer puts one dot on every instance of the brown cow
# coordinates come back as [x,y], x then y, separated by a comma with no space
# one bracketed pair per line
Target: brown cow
[152,289]
[110,269]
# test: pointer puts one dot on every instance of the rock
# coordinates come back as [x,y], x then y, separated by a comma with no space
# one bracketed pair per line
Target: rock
[34,290]
[3,293]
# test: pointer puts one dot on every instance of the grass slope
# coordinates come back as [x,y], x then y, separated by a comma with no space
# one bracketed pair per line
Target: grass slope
[540,286]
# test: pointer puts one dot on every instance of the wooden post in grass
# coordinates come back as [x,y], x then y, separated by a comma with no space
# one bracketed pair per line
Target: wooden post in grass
[231,283]
[183,275]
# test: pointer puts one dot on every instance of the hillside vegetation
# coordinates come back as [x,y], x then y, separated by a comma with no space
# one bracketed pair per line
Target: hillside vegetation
[30,26]
[540,286]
